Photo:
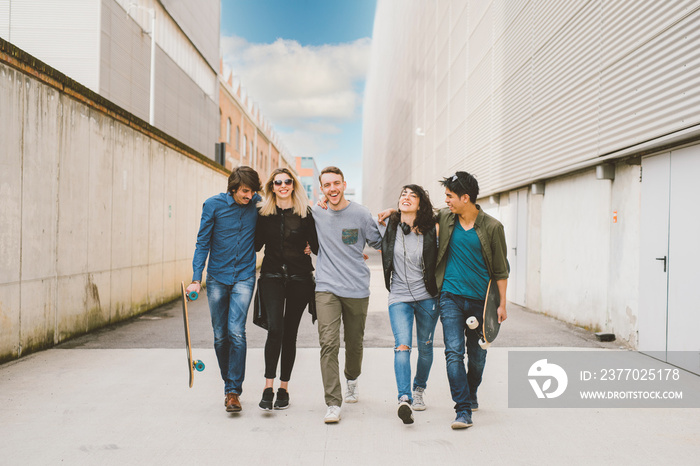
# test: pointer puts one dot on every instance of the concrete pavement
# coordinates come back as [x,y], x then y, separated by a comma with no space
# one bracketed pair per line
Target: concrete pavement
[120,396]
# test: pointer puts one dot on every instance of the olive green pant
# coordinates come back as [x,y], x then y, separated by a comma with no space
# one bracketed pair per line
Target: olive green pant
[330,309]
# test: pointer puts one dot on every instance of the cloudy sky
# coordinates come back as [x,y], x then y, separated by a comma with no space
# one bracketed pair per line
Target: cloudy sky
[304,62]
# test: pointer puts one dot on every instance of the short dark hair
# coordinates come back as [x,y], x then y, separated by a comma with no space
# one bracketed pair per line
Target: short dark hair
[462,183]
[243,176]
[331,169]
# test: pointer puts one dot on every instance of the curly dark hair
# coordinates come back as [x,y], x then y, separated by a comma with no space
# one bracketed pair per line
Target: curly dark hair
[425,218]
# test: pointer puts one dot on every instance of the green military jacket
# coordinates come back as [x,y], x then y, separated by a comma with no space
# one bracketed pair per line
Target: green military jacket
[491,236]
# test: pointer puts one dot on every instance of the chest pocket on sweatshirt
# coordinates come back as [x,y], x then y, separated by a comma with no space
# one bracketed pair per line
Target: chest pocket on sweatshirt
[350,235]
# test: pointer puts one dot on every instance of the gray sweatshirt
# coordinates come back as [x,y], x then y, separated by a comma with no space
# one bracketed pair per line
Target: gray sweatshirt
[342,235]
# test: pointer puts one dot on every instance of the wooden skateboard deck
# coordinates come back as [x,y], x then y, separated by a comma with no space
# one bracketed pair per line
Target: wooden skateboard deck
[196,363]
[491,325]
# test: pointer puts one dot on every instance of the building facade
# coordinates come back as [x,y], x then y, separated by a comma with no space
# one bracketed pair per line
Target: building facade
[248,137]
[157,59]
[581,122]
[308,175]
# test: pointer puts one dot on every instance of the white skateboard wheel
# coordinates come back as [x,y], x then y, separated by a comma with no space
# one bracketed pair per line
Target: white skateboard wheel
[472,322]
[484,344]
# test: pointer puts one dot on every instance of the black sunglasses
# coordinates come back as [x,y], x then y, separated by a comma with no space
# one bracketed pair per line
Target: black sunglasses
[286,182]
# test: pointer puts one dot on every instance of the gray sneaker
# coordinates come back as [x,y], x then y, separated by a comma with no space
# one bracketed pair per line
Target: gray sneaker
[353,393]
[405,412]
[418,402]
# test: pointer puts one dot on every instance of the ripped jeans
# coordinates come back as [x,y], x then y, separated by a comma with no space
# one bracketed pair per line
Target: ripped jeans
[401,316]
[228,305]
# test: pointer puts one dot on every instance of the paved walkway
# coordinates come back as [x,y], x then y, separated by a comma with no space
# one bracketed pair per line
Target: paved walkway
[120,396]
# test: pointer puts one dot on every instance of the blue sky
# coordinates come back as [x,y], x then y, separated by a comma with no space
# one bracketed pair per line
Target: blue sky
[305,63]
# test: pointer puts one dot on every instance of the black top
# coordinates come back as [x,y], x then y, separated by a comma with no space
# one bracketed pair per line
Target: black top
[284,236]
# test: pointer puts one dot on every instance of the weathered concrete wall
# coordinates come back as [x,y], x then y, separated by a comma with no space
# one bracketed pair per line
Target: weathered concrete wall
[575,253]
[99,210]
[582,250]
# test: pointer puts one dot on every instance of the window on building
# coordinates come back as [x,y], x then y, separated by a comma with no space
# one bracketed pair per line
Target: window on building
[309,191]
[307,162]
[245,146]
[228,131]
[238,138]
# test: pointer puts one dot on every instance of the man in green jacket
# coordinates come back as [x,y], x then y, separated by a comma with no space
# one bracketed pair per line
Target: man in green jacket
[472,251]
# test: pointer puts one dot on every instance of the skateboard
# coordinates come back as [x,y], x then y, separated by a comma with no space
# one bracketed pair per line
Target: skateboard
[489,330]
[192,364]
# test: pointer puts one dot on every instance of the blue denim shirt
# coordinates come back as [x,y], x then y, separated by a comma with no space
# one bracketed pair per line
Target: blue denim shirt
[227,236]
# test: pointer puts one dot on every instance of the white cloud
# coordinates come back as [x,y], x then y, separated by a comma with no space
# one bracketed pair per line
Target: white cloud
[308,143]
[294,83]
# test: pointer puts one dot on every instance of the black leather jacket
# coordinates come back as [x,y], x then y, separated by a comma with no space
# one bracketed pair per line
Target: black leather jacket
[429,256]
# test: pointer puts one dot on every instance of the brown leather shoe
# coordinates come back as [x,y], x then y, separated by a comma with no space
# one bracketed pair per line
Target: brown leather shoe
[233,404]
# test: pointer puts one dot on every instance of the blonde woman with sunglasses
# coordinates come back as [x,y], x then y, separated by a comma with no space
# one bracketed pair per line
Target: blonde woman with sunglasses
[286,286]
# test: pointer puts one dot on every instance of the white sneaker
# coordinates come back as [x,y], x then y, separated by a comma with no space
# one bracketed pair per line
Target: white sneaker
[353,393]
[405,413]
[418,402]
[332,415]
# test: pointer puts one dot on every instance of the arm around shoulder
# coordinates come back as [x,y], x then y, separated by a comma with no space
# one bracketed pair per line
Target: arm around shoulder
[311,235]
[374,237]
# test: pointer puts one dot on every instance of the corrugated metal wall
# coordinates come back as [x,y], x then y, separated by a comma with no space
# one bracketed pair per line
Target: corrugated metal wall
[186,100]
[182,108]
[5,18]
[514,91]
[65,35]
[124,61]
[173,41]
[195,19]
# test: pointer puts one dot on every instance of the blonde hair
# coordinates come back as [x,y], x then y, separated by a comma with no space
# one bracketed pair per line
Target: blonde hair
[300,201]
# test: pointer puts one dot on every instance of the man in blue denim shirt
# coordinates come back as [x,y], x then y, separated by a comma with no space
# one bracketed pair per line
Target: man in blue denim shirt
[227,236]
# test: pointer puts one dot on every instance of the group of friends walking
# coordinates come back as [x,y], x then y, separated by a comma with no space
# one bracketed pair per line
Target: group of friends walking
[437,264]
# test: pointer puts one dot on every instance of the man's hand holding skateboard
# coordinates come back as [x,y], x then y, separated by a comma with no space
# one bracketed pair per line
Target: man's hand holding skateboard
[195,286]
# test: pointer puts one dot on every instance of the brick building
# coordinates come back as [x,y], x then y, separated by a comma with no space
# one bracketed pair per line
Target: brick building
[248,137]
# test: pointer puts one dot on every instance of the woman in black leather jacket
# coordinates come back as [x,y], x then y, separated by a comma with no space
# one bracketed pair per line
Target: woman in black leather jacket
[409,256]
[285,227]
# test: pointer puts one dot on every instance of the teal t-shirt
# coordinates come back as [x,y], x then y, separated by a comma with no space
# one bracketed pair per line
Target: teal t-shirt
[465,273]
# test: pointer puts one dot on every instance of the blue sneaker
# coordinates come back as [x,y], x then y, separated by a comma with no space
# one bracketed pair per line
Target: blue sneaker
[475,404]
[462,421]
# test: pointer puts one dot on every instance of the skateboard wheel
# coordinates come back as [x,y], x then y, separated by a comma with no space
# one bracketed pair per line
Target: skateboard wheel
[472,322]
[484,344]
[192,295]
[199,365]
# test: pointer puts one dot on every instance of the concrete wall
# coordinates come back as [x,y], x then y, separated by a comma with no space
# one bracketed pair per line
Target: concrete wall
[583,249]
[100,211]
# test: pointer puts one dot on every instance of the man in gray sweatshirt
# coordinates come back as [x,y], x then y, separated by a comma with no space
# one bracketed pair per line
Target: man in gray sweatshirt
[342,286]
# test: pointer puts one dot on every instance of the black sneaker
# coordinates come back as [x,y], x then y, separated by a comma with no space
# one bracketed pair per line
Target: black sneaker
[405,412]
[282,401]
[266,402]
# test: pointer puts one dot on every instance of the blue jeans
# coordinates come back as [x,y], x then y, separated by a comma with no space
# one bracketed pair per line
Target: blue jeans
[228,305]
[401,316]
[454,312]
